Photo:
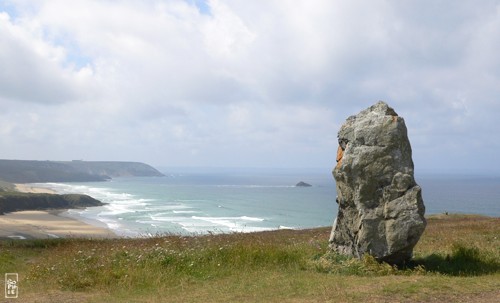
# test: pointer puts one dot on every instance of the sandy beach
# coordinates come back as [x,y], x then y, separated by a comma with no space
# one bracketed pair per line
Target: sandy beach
[27,188]
[47,224]
[43,224]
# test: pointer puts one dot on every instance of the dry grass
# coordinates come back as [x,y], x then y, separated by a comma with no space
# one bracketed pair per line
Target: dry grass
[457,259]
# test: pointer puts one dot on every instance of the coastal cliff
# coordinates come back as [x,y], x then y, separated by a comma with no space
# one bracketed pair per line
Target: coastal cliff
[27,171]
[16,201]
[114,169]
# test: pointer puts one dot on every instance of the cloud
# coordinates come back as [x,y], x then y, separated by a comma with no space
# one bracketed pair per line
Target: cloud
[194,82]
[31,67]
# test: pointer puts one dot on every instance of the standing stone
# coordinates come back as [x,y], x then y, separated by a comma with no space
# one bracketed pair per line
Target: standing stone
[381,211]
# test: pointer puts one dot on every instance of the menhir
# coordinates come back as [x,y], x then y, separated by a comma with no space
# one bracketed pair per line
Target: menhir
[381,211]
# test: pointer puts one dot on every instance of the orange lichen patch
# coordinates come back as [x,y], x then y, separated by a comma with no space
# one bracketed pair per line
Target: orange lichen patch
[340,154]
[395,118]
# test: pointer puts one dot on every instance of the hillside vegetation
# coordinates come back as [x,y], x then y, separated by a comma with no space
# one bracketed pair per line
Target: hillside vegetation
[16,201]
[456,260]
[27,171]
[6,186]
[115,169]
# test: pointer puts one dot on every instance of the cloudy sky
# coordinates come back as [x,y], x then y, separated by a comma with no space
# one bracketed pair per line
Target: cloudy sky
[263,83]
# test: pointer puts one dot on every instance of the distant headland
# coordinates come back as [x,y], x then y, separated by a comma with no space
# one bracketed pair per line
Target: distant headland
[14,198]
[30,171]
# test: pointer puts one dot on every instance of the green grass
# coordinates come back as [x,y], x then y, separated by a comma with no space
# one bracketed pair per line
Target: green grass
[462,261]
[457,259]
[6,186]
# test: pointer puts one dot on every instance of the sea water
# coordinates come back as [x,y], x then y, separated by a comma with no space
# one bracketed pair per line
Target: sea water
[199,202]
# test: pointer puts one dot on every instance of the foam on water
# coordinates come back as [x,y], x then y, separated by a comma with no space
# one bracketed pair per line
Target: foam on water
[256,186]
[185,211]
[229,203]
[124,209]
[117,204]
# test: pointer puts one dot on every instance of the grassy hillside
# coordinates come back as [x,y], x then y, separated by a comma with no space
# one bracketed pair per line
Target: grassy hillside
[115,168]
[25,171]
[12,200]
[6,186]
[457,260]
[16,201]
[21,171]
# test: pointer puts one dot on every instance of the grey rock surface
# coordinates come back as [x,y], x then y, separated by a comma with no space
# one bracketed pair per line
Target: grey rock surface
[381,211]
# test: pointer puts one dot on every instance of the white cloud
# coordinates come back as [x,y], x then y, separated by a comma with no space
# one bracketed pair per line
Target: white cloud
[225,34]
[270,80]
[32,68]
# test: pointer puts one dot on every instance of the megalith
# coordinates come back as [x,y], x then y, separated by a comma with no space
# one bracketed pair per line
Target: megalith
[380,206]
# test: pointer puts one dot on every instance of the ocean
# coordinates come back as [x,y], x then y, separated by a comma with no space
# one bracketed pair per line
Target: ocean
[188,201]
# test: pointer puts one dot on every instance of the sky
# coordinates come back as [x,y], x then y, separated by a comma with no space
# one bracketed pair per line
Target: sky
[238,83]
